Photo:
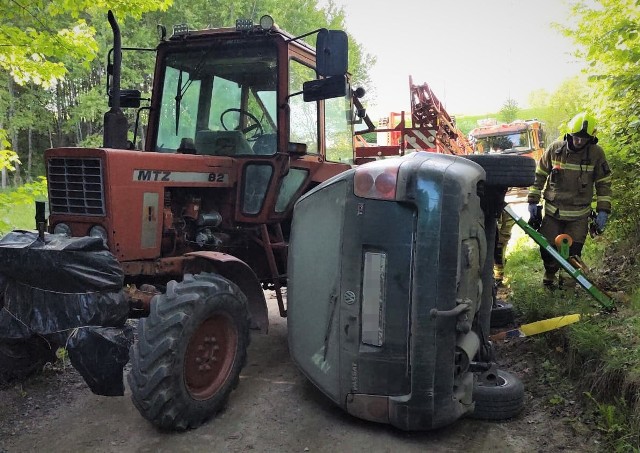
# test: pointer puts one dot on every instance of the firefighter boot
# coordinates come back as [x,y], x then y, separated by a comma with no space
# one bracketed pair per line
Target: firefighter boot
[565,281]
[498,274]
[498,264]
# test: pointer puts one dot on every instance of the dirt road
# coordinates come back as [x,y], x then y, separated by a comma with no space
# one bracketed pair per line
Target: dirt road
[275,409]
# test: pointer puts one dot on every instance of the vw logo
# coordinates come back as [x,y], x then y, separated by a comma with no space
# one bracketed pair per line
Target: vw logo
[349,297]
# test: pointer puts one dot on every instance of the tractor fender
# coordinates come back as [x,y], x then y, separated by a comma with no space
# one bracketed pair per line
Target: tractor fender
[241,274]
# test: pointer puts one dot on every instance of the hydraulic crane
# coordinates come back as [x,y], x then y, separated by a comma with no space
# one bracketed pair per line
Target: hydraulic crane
[429,128]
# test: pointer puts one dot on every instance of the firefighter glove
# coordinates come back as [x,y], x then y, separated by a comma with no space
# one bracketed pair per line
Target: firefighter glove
[533,212]
[601,220]
[535,216]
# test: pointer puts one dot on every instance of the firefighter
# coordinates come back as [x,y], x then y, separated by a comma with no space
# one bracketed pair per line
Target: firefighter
[566,176]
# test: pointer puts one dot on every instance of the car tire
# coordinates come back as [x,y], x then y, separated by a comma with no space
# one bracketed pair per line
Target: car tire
[500,396]
[502,314]
[506,170]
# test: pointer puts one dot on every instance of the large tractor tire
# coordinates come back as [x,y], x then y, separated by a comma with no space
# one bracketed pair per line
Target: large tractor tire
[499,397]
[22,358]
[506,170]
[190,351]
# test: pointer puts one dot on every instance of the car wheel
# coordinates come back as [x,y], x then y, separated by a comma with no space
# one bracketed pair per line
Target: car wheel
[502,314]
[506,170]
[498,396]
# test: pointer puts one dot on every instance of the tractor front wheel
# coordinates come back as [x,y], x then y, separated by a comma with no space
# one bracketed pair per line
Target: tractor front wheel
[190,351]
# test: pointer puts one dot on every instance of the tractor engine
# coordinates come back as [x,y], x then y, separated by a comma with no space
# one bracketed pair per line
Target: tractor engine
[189,224]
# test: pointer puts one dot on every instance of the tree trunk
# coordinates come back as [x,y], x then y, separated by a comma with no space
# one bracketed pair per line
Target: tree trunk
[79,132]
[17,179]
[3,181]
[60,113]
[30,155]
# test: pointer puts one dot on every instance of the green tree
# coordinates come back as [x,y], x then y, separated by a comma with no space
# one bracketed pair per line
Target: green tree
[539,98]
[571,97]
[509,111]
[607,33]
[37,37]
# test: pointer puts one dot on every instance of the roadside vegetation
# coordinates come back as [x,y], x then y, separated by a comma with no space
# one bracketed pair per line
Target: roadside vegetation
[601,352]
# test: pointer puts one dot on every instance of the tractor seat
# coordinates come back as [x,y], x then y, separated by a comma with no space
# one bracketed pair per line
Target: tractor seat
[265,144]
[221,143]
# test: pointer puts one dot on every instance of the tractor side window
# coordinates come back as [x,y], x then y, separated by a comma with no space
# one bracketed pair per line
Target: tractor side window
[303,116]
[290,185]
[177,119]
[338,131]
[256,182]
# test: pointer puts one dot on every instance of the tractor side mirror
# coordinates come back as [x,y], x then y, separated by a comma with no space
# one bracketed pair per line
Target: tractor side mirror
[332,52]
[331,87]
[128,98]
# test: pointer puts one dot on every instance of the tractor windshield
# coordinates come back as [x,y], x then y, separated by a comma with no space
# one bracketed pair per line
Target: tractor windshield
[219,100]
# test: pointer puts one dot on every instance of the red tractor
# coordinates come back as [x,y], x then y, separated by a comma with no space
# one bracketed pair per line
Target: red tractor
[390,279]
[239,124]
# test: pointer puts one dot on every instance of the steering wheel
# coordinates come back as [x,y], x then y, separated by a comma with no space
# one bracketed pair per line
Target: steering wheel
[252,131]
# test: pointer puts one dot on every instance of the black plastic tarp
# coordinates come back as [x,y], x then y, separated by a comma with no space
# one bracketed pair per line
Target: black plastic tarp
[28,310]
[59,263]
[99,354]
[69,292]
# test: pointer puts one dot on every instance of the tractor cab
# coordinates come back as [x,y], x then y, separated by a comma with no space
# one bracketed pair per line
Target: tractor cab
[232,93]
[258,95]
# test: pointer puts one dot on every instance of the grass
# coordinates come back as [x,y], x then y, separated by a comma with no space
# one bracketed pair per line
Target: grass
[17,206]
[19,216]
[602,352]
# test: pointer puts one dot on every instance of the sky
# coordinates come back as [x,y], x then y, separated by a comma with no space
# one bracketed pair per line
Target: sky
[473,54]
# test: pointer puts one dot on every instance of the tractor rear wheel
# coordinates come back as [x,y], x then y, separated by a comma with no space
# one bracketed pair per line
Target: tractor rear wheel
[190,351]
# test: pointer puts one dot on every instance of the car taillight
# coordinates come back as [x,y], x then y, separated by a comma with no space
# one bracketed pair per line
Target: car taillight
[377,179]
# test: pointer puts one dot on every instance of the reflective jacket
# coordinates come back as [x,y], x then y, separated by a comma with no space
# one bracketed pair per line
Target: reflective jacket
[566,180]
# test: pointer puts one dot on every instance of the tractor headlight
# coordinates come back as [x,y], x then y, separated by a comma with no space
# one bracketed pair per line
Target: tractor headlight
[266,22]
[62,228]
[99,232]
[244,24]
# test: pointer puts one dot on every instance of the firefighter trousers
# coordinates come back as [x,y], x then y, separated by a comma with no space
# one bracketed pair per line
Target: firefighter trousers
[552,227]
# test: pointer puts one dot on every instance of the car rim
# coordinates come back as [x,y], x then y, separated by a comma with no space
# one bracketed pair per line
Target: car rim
[494,380]
[210,356]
